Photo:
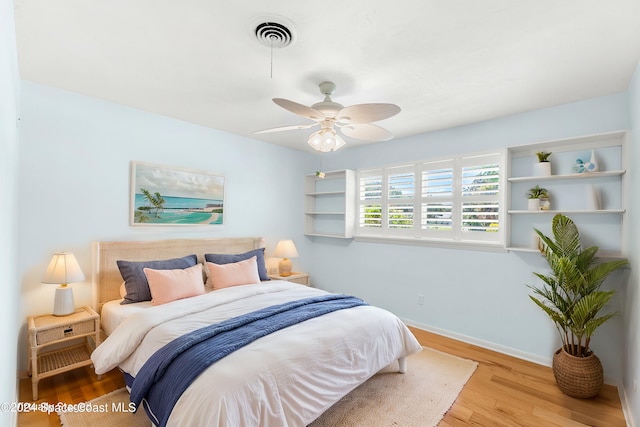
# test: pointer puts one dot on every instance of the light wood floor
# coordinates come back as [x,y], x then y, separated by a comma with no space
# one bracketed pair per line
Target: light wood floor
[503,391]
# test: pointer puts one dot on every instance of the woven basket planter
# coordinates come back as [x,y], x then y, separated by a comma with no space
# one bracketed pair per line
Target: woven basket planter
[580,377]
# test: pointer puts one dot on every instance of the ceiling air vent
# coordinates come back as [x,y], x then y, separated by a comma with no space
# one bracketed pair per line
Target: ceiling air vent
[274,34]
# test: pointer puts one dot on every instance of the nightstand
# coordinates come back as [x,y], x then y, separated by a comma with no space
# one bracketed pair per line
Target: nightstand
[49,330]
[300,278]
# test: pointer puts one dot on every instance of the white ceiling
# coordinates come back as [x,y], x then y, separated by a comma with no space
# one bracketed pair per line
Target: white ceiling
[444,62]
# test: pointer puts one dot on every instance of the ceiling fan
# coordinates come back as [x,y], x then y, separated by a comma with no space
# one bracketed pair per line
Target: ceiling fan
[353,121]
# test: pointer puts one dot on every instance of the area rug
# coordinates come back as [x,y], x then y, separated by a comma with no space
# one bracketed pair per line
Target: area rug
[418,398]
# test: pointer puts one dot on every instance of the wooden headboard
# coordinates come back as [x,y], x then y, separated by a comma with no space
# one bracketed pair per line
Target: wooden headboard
[106,276]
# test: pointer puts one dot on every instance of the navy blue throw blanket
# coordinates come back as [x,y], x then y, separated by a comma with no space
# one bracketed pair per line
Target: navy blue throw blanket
[171,369]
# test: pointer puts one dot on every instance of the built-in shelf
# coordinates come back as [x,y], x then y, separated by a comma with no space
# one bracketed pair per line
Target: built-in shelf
[329,204]
[595,201]
[325,213]
[567,212]
[326,193]
[590,175]
[601,254]
[335,236]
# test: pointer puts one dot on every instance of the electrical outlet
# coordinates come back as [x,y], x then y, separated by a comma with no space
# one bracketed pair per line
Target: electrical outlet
[420,299]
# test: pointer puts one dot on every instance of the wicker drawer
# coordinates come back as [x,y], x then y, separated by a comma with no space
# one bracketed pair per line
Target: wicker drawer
[48,329]
[65,331]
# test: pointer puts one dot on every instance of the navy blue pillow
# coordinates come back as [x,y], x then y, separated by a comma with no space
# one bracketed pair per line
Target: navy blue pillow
[230,258]
[135,281]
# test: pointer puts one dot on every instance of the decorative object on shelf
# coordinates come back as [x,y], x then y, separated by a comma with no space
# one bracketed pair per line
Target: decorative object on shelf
[578,166]
[63,269]
[572,299]
[285,249]
[592,164]
[593,198]
[320,174]
[543,167]
[545,204]
[536,195]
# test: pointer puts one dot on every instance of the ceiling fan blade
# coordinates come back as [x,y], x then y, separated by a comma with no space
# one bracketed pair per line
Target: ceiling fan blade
[365,113]
[299,109]
[366,131]
[282,128]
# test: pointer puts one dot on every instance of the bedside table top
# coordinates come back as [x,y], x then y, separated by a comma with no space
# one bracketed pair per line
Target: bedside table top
[293,275]
[46,321]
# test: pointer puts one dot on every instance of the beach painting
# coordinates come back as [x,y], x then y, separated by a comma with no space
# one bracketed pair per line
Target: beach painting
[164,195]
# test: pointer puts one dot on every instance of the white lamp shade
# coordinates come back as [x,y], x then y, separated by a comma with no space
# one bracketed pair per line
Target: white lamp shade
[285,249]
[63,269]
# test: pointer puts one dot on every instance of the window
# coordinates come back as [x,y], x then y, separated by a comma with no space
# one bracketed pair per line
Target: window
[456,200]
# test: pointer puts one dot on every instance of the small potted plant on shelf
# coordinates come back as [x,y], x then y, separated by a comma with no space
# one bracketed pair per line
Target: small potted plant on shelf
[543,167]
[572,299]
[536,197]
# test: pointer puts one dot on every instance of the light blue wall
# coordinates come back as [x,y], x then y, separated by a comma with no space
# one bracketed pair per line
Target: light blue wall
[75,159]
[480,296]
[9,107]
[631,310]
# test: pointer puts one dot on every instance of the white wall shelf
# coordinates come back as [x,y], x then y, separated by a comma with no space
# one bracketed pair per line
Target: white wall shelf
[600,223]
[329,204]
[567,212]
[591,175]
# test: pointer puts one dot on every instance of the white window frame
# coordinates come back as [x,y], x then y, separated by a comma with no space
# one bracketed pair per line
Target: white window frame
[456,236]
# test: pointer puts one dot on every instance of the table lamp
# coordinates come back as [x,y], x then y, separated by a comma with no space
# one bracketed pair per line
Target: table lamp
[63,269]
[285,249]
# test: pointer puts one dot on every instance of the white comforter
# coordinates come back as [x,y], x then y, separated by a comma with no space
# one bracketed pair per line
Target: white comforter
[287,378]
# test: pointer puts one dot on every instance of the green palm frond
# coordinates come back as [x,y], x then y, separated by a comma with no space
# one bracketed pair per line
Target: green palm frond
[571,294]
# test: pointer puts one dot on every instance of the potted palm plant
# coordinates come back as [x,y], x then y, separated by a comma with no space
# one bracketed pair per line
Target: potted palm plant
[572,298]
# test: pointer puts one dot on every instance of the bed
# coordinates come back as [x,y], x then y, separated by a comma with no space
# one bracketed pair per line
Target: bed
[283,372]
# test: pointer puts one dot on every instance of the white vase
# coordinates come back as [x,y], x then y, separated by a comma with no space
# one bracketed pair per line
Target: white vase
[542,169]
[592,165]
[533,205]
[593,198]
[536,242]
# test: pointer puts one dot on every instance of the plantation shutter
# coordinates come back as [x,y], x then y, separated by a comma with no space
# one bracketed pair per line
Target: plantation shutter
[480,198]
[437,199]
[370,201]
[401,190]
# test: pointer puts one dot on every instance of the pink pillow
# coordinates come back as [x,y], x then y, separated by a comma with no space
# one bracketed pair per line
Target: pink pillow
[233,274]
[171,285]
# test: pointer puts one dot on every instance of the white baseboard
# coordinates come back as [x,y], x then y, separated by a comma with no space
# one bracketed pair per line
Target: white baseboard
[509,351]
[626,409]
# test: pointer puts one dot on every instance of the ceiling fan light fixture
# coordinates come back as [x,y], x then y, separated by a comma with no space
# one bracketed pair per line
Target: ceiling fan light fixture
[325,140]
